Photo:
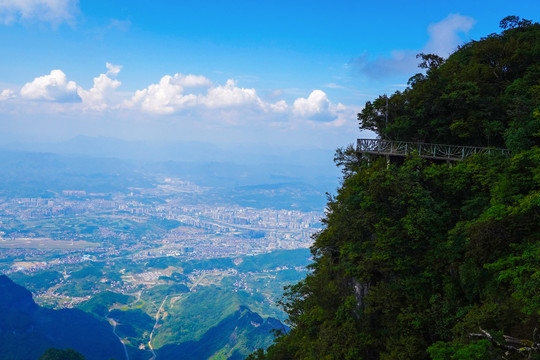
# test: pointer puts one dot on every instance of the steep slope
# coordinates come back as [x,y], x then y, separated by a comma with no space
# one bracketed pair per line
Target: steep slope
[422,260]
[26,330]
[233,338]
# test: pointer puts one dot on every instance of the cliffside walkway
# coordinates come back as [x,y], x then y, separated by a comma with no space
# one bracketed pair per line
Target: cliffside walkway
[425,150]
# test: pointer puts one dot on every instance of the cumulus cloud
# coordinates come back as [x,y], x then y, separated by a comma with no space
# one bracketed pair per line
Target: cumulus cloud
[98,97]
[53,11]
[56,88]
[7,94]
[192,81]
[53,87]
[230,95]
[191,98]
[315,107]
[167,96]
[444,37]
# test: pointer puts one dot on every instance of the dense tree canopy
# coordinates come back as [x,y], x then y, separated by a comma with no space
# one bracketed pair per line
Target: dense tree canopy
[59,354]
[422,260]
[484,94]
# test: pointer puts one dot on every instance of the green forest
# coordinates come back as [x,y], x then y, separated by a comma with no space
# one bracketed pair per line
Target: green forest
[427,260]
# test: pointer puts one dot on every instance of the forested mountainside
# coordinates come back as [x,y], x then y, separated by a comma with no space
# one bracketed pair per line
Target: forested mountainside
[423,260]
[27,330]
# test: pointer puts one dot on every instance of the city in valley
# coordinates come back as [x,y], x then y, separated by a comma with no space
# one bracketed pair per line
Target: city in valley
[152,259]
[175,219]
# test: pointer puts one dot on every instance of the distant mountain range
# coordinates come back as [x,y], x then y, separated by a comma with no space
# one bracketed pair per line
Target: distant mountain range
[190,151]
[282,185]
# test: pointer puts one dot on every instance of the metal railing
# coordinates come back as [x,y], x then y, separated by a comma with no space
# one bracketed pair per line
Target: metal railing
[425,150]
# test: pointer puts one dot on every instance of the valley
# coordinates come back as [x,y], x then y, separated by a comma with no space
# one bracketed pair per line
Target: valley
[164,265]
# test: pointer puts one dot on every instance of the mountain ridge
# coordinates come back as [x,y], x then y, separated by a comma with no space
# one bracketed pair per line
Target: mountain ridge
[27,330]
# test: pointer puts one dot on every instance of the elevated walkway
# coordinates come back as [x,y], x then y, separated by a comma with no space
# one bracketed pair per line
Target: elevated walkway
[425,150]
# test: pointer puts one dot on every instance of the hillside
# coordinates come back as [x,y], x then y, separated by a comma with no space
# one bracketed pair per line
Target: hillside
[27,330]
[422,260]
[232,338]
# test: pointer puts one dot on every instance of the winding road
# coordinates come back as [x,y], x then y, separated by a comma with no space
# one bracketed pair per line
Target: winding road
[114,323]
[154,355]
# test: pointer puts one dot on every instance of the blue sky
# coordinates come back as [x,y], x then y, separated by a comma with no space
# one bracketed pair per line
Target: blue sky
[289,73]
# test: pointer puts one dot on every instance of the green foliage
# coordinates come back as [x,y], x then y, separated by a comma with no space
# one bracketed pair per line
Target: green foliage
[40,280]
[234,337]
[416,256]
[90,271]
[102,302]
[195,313]
[479,350]
[484,94]
[57,354]
[522,274]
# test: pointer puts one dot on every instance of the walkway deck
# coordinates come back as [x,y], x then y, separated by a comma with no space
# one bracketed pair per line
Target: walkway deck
[425,150]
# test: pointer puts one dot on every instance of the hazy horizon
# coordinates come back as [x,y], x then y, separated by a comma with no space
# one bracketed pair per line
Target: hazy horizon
[275,73]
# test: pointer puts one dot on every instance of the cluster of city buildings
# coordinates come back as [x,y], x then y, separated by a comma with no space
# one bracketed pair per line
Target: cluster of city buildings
[192,229]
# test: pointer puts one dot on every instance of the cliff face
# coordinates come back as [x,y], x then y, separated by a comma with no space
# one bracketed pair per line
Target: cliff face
[26,330]
[422,260]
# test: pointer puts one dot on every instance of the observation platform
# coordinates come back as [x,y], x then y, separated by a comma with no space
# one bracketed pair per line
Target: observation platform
[430,151]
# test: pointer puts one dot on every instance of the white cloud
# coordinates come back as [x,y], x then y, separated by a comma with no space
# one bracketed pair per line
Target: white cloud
[192,99]
[98,97]
[315,107]
[443,36]
[53,87]
[167,96]
[56,88]
[280,106]
[192,81]
[7,94]
[230,95]
[53,11]
[112,69]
